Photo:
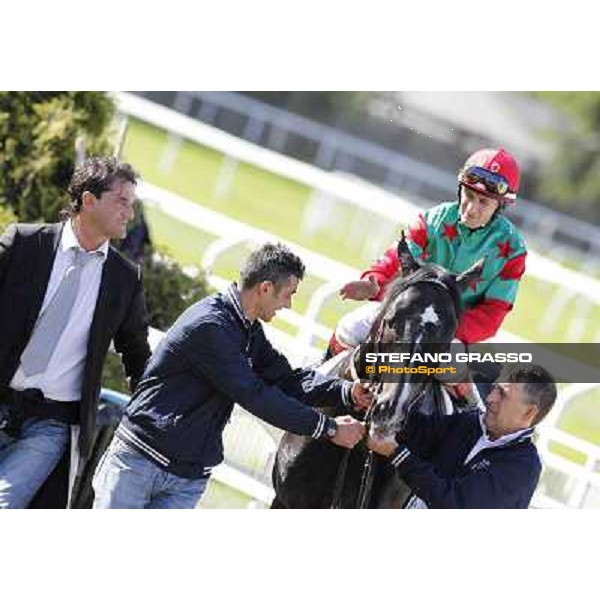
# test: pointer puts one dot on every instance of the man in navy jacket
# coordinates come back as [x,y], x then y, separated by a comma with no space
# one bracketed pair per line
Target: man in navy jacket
[477,459]
[217,354]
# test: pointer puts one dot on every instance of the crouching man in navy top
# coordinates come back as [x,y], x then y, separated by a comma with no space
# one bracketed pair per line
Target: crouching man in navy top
[477,459]
[216,354]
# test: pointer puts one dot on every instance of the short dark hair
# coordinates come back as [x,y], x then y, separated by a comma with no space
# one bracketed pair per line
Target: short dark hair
[539,387]
[271,262]
[96,175]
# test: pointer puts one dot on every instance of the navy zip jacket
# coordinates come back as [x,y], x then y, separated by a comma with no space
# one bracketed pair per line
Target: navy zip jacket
[211,358]
[431,460]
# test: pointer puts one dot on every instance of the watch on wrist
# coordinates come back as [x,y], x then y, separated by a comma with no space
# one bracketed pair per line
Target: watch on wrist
[331,428]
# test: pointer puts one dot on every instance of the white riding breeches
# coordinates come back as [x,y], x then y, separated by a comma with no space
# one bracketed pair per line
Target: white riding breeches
[353,328]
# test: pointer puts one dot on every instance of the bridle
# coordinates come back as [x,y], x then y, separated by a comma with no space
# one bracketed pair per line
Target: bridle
[368,471]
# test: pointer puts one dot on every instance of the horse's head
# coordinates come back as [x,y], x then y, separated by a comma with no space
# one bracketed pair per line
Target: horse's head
[421,310]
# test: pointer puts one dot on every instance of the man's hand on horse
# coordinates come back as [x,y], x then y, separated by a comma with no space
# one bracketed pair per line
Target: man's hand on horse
[362,396]
[349,432]
[380,445]
[360,290]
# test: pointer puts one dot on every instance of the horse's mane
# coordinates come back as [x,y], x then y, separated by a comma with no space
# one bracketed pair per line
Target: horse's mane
[427,273]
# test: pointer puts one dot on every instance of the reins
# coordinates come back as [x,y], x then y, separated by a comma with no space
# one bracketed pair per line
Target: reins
[367,473]
[377,333]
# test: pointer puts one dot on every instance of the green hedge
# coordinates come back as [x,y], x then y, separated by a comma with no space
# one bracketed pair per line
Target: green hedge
[169,291]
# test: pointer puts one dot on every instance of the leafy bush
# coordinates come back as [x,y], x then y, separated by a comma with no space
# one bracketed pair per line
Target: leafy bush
[169,291]
[7,216]
[38,131]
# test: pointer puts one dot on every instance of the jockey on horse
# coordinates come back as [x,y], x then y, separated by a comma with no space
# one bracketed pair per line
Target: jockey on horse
[455,235]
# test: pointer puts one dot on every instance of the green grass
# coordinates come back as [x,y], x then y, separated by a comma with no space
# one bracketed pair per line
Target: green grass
[262,199]
[582,417]
[185,242]
[347,234]
[528,317]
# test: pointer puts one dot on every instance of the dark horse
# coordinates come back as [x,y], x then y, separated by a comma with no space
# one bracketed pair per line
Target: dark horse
[421,308]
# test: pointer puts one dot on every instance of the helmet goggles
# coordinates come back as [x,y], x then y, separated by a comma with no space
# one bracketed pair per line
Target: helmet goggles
[482,180]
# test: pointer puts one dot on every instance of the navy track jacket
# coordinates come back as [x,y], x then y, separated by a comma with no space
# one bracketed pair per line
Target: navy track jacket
[431,460]
[211,358]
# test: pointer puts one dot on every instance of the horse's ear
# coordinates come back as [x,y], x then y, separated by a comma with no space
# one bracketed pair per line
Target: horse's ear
[471,274]
[409,264]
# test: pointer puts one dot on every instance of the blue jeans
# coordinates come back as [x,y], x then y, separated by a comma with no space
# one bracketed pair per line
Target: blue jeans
[127,479]
[27,461]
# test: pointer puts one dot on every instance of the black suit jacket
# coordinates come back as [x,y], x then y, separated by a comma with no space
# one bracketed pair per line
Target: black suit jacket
[26,258]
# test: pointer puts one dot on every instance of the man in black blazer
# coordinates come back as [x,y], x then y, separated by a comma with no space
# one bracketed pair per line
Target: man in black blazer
[65,295]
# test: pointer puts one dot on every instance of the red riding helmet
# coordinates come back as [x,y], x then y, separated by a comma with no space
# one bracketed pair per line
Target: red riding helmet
[494,173]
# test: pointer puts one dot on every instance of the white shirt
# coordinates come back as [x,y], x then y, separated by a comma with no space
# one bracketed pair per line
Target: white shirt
[484,441]
[63,376]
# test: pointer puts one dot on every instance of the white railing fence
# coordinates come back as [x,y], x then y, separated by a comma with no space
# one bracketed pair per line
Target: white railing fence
[334,149]
[328,187]
[251,445]
[581,485]
[574,484]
